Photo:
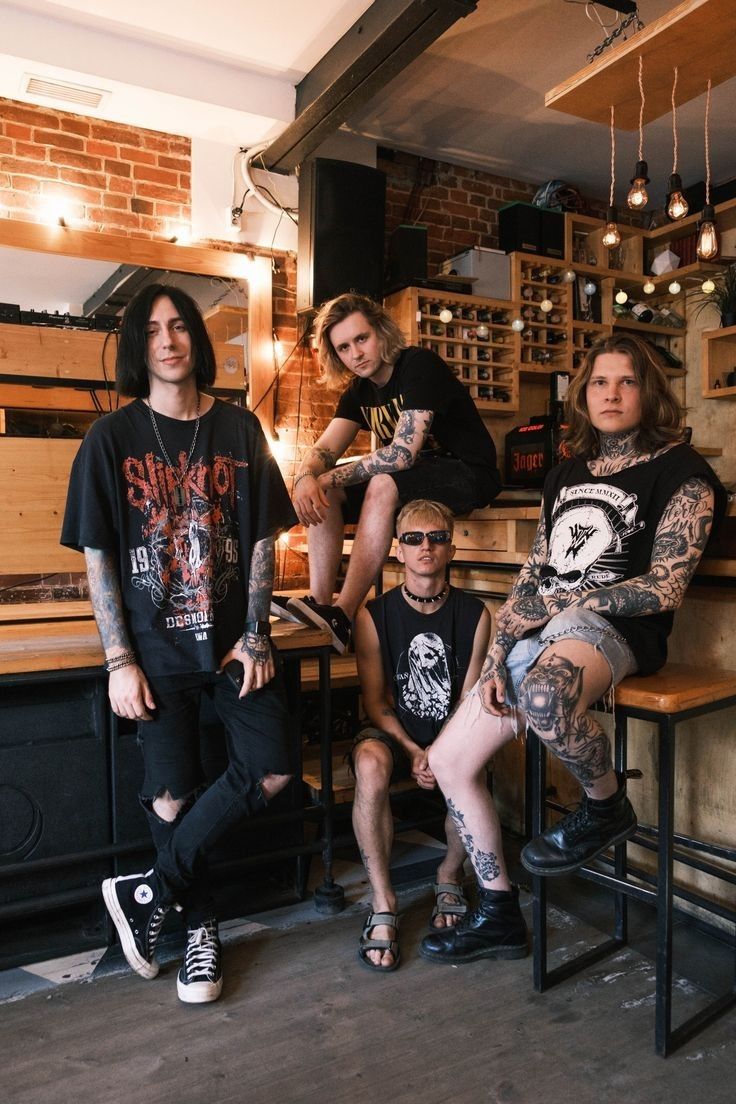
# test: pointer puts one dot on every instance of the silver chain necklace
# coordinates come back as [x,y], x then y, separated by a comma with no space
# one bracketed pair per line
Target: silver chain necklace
[179,496]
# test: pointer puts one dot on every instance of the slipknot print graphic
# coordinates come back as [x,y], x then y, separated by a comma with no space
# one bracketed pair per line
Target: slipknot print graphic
[188,556]
[423,678]
[591,524]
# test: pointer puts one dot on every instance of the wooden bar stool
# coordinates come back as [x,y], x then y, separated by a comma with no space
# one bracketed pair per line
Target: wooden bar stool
[676,693]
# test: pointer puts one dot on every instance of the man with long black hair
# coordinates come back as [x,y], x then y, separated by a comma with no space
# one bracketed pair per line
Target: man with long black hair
[175,500]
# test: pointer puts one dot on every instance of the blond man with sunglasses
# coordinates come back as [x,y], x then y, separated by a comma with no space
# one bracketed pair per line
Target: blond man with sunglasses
[419,647]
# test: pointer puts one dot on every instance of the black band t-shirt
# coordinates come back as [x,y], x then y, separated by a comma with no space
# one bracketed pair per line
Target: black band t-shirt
[425,657]
[421,380]
[600,531]
[183,570]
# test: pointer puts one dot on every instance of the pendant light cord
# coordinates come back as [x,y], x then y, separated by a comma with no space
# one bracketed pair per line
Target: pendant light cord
[707,147]
[613,158]
[674,125]
[641,108]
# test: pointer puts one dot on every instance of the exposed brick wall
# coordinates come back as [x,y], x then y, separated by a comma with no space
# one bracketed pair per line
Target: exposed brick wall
[109,176]
[459,206]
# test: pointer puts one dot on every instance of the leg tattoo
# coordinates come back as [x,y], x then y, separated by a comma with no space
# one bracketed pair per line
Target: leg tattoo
[550,696]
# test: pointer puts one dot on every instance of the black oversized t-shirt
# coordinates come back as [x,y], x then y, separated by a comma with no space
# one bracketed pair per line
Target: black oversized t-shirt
[600,531]
[421,380]
[425,657]
[183,570]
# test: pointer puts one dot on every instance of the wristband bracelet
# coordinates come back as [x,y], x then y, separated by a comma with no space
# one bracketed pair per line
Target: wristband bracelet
[125,659]
[259,628]
[303,476]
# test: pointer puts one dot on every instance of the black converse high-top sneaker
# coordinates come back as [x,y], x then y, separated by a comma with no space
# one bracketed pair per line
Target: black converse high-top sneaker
[138,917]
[200,977]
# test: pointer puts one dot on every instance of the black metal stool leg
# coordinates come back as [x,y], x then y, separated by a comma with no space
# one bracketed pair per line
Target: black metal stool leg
[620,899]
[538,777]
[663,1006]
[328,897]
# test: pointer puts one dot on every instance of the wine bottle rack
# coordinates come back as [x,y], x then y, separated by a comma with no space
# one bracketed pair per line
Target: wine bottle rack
[477,343]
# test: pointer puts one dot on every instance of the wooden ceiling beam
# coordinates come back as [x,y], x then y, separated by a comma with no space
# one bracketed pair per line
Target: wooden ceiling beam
[697,36]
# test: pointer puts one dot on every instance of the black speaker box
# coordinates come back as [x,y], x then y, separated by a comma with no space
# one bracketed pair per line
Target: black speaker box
[553,233]
[407,257]
[341,228]
[520,228]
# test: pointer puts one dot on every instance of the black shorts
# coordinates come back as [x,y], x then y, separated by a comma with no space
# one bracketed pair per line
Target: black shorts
[444,479]
[402,764]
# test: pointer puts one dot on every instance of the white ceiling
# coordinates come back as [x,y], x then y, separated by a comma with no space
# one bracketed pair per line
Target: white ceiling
[226,70]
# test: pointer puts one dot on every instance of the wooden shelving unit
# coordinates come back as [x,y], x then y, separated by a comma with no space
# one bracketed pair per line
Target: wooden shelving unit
[486,363]
[717,360]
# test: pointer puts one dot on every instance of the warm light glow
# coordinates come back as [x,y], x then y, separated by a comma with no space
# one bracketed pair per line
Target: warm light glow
[179,232]
[284,539]
[482,332]
[54,210]
[278,450]
[638,196]
[675,288]
[649,287]
[517,325]
[569,276]
[707,247]
[611,237]
[621,296]
[707,286]
[445,316]
[243,265]
[546,305]
[677,206]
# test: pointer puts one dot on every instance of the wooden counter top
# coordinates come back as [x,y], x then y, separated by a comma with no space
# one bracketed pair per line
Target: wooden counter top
[63,645]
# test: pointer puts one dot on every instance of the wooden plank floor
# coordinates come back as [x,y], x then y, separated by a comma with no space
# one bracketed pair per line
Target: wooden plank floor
[301,1023]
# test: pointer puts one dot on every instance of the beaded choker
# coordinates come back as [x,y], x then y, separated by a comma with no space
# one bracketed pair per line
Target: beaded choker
[429,599]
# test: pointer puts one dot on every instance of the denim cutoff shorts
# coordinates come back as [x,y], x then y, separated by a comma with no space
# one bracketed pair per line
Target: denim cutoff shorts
[571,624]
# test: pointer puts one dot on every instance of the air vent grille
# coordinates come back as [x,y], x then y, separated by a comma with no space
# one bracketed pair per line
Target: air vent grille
[64,92]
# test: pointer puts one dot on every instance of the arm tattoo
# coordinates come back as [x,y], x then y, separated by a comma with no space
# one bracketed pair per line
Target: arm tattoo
[318,460]
[408,440]
[680,540]
[107,602]
[485,863]
[260,583]
[550,697]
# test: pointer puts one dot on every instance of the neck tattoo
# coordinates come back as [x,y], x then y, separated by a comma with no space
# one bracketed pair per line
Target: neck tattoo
[178,495]
[429,599]
[615,445]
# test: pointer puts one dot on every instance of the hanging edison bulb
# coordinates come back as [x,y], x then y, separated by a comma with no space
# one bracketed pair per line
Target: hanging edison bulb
[611,236]
[638,196]
[707,247]
[677,205]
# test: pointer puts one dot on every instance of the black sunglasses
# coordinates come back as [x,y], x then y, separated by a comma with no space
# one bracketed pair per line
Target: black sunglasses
[435,536]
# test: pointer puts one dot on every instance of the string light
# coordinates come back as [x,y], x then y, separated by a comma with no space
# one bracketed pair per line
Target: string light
[621,296]
[677,205]
[611,237]
[649,287]
[708,286]
[675,288]
[707,247]
[638,197]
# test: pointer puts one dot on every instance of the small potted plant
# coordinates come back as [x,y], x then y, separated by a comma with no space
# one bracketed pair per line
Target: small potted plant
[723,296]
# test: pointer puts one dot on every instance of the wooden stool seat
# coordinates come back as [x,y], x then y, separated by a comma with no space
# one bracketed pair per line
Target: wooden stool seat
[676,688]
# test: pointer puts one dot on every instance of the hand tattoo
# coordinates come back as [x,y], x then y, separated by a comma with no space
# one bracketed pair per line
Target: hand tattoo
[257,647]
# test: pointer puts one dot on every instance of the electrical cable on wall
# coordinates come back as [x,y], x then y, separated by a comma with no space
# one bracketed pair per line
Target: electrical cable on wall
[244,160]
